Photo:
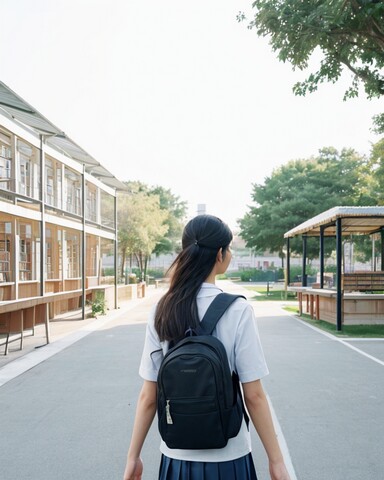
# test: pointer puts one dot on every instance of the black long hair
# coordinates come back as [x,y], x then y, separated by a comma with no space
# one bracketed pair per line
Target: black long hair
[203,236]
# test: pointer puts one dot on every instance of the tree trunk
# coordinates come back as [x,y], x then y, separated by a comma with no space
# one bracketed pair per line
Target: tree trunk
[140,263]
[123,257]
[146,258]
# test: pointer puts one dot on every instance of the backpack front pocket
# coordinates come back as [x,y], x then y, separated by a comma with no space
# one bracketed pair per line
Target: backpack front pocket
[192,423]
[191,406]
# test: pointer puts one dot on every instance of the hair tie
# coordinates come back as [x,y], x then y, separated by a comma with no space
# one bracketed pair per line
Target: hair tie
[196,242]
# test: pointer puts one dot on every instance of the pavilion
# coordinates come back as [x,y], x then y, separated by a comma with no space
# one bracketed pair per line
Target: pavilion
[357,297]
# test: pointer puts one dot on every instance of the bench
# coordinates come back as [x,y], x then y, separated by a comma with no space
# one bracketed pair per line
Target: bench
[363,281]
[160,281]
[19,316]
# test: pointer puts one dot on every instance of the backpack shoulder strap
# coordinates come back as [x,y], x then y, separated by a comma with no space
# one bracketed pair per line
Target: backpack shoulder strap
[215,311]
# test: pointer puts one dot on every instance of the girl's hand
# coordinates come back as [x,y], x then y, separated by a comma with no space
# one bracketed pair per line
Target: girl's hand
[133,469]
[278,471]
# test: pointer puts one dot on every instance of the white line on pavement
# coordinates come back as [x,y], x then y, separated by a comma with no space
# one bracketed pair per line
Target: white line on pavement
[343,342]
[282,443]
[362,339]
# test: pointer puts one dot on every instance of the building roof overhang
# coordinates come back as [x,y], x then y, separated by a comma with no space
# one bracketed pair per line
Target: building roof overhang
[22,112]
[354,220]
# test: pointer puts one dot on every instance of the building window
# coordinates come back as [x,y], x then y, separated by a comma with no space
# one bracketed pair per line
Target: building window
[5,251]
[50,264]
[50,197]
[72,192]
[5,162]
[59,202]
[29,170]
[107,259]
[53,253]
[92,245]
[60,235]
[26,252]
[73,255]
[91,203]
[107,210]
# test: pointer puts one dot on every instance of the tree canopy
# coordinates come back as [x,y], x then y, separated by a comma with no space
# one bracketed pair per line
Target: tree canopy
[377,167]
[349,33]
[177,210]
[300,190]
[150,220]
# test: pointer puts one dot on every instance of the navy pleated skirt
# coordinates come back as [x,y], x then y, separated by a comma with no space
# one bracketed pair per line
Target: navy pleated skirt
[240,469]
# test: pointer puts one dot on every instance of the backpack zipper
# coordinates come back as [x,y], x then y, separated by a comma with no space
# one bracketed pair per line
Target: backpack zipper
[168,413]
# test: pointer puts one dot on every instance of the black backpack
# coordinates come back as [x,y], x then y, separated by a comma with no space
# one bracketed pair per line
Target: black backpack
[199,402]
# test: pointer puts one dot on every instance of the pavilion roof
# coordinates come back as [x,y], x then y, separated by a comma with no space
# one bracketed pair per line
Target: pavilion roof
[354,220]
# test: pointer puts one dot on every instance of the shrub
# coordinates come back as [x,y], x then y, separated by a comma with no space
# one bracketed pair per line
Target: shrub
[256,275]
[98,305]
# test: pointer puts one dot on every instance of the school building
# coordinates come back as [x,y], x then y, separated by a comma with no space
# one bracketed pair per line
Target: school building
[57,217]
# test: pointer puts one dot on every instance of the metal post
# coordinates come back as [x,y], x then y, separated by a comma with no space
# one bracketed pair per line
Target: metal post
[15,168]
[322,257]
[339,297]
[42,222]
[115,249]
[47,329]
[373,253]
[382,248]
[16,258]
[83,246]
[304,274]
[288,264]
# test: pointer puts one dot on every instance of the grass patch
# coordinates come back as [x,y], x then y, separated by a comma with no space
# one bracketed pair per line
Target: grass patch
[272,294]
[358,331]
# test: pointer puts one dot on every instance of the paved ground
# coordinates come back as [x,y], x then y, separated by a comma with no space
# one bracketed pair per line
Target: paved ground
[70,416]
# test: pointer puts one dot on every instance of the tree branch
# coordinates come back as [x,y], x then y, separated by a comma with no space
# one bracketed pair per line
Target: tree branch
[360,74]
[377,32]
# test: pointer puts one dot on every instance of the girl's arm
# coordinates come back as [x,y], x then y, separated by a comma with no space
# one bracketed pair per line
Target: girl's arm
[145,412]
[258,408]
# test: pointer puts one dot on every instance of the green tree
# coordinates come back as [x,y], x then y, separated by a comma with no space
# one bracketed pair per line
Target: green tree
[177,211]
[300,190]
[377,167]
[142,224]
[375,189]
[348,33]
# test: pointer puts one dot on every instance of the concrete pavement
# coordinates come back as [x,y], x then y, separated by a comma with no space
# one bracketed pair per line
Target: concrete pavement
[329,398]
[70,415]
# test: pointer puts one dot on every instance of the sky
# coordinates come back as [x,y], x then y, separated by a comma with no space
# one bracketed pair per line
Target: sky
[174,93]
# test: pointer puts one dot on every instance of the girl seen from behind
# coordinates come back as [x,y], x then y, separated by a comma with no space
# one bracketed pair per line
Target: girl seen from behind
[205,254]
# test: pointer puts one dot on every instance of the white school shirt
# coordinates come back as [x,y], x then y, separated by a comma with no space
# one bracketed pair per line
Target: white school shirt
[237,330]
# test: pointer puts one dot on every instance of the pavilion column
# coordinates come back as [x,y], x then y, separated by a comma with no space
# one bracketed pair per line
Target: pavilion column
[288,263]
[339,297]
[382,248]
[304,265]
[322,257]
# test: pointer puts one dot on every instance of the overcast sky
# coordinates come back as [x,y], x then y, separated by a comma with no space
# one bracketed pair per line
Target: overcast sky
[173,93]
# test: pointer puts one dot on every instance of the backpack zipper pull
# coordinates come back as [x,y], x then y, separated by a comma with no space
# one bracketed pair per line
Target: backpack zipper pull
[168,413]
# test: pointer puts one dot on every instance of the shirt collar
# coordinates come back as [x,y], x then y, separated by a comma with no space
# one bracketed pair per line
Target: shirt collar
[208,290]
